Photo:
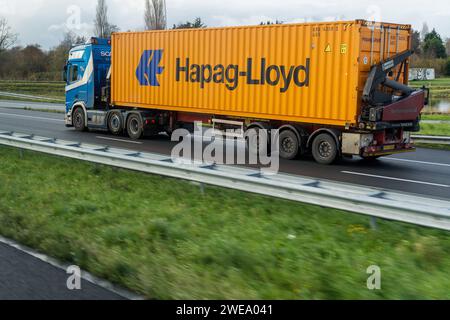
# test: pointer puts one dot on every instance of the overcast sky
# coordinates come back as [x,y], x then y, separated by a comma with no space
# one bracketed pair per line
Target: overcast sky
[44,21]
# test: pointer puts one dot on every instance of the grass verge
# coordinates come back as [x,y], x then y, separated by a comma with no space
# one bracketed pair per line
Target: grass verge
[435,129]
[9,98]
[433,146]
[436,117]
[161,238]
[439,88]
[53,90]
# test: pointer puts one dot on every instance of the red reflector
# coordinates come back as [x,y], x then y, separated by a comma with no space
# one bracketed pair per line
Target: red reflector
[153,121]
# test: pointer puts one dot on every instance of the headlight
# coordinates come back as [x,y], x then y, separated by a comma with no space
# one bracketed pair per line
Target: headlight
[366,140]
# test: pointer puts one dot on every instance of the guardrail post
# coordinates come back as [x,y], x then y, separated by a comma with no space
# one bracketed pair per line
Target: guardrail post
[202,188]
[20,153]
[373,223]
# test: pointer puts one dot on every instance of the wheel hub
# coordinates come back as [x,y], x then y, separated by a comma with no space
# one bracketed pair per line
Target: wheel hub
[134,126]
[325,149]
[288,145]
[78,120]
[115,122]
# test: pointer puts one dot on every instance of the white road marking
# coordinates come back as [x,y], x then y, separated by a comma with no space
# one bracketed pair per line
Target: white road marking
[396,179]
[84,275]
[420,162]
[119,140]
[29,117]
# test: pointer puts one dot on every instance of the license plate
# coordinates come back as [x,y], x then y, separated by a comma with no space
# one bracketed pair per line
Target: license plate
[389,148]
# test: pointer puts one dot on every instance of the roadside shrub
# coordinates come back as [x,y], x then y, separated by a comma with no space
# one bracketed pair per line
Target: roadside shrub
[439,65]
[447,68]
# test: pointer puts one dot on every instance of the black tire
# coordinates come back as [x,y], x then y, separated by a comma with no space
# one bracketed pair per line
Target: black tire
[115,123]
[79,119]
[135,127]
[289,145]
[325,149]
[371,159]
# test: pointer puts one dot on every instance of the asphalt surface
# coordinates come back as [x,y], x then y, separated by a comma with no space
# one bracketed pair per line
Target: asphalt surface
[425,172]
[24,277]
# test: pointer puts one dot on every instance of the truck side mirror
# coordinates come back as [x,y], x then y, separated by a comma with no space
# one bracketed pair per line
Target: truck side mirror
[65,74]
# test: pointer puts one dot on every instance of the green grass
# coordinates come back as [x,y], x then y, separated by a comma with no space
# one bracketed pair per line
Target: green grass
[44,89]
[8,98]
[161,238]
[435,129]
[440,88]
[433,146]
[436,117]
[444,82]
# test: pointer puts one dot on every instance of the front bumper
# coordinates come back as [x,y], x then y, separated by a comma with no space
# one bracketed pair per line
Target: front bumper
[68,119]
[387,150]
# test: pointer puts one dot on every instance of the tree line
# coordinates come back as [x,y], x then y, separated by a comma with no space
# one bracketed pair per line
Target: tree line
[431,51]
[32,62]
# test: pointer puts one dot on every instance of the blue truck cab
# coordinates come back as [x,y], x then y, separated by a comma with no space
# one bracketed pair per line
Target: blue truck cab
[86,75]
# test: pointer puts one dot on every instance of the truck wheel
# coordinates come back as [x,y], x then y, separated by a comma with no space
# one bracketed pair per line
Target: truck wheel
[79,120]
[325,149]
[135,127]
[289,145]
[115,125]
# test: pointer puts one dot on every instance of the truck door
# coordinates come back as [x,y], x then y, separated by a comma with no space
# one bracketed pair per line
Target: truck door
[72,77]
[77,82]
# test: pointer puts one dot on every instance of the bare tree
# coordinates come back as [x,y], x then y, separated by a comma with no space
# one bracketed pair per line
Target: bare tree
[425,31]
[155,15]
[7,37]
[103,28]
[447,46]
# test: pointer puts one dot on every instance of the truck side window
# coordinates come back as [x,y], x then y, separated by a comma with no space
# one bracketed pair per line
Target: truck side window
[73,74]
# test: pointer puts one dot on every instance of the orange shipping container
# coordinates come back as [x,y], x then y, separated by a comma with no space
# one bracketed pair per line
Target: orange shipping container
[305,73]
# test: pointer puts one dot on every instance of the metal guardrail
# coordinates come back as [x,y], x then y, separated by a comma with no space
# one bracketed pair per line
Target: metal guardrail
[364,200]
[431,139]
[26,96]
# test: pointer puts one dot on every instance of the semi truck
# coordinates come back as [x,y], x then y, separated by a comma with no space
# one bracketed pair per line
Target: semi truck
[330,89]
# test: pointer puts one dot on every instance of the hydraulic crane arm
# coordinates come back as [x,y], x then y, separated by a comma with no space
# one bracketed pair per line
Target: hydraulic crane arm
[379,77]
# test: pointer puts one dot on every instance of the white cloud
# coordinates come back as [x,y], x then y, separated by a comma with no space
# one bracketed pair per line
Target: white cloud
[44,21]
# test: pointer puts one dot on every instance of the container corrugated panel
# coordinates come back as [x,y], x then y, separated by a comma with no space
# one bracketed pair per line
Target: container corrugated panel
[307,73]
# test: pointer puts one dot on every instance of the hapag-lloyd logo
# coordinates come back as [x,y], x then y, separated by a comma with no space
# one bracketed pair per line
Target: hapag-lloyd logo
[229,75]
[272,75]
[149,68]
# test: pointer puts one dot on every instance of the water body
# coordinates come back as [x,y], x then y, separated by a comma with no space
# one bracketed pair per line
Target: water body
[439,106]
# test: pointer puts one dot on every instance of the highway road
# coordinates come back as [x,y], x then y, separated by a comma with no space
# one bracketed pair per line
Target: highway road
[426,172]
[24,277]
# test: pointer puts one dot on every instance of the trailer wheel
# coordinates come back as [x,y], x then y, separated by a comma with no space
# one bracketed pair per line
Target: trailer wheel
[115,125]
[289,145]
[135,127]
[325,149]
[79,120]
